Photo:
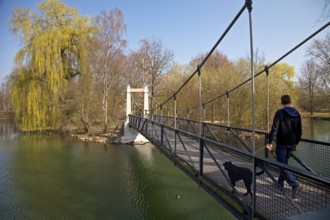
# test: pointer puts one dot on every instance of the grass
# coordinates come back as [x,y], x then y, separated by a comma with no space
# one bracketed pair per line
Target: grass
[318,115]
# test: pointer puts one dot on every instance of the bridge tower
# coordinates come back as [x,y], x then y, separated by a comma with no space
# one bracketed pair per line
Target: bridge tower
[130,134]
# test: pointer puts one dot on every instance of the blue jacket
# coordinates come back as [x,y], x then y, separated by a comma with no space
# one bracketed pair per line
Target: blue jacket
[286,129]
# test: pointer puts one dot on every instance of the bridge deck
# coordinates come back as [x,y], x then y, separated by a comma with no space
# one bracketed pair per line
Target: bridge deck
[272,202]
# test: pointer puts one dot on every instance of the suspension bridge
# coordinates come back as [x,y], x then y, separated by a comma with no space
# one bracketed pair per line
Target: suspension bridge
[200,148]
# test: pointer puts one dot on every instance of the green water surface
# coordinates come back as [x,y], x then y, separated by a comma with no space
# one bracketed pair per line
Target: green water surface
[47,177]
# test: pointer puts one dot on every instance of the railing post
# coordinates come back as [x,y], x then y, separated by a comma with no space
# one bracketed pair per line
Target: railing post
[228,116]
[266,151]
[139,123]
[161,135]
[201,156]
[161,114]
[152,115]
[174,96]
[201,142]
[152,129]
[204,112]
[188,114]
[175,133]
[161,125]
[200,99]
[267,108]
[249,7]
[228,113]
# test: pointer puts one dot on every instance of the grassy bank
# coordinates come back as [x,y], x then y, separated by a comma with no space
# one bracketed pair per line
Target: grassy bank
[95,133]
[318,115]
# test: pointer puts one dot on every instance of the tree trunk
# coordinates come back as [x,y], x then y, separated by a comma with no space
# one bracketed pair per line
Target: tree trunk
[152,95]
[84,119]
[311,102]
[212,112]
[105,111]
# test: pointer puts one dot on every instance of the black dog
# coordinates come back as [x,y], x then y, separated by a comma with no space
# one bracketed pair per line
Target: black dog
[236,173]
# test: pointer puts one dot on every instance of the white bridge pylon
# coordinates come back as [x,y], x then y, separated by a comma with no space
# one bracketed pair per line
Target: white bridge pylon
[130,134]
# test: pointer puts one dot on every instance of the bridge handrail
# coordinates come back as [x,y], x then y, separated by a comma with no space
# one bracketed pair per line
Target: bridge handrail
[244,129]
[236,150]
[243,153]
[229,147]
[310,175]
[308,165]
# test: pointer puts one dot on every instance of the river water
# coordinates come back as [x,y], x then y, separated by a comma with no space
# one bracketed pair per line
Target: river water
[316,130]
[48,177]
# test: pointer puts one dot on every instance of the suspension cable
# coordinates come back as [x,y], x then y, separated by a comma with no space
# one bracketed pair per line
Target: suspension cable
[242,83]
[208,55]
[272,64]
[168,108]
[134,101]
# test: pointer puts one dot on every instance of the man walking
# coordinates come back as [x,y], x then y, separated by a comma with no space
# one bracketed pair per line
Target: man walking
[286,131]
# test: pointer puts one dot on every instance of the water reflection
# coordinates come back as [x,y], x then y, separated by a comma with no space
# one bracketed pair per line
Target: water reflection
[8,129]
[316,129]
[145,151]
[46,177]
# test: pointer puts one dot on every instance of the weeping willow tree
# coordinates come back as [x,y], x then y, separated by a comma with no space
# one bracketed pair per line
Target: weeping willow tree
[53,50]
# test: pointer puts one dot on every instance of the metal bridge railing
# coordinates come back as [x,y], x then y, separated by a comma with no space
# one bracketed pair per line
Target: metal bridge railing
[311,155]
[205,156]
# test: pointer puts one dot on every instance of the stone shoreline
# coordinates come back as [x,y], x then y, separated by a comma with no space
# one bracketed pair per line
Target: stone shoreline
[101,138]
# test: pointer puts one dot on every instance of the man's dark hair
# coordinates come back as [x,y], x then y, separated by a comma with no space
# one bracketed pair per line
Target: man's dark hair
[285,100]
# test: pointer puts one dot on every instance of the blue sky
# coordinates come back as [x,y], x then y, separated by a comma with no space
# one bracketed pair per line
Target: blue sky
[191,27]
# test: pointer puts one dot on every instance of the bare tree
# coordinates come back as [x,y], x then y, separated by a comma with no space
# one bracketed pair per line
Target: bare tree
[134,70]
[106,56]
[320,51]
[309,81]
[153,60]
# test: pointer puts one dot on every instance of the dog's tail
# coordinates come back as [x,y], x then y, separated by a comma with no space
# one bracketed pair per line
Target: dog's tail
[260,172]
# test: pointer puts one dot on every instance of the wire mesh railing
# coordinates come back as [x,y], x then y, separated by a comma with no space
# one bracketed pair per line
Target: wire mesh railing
[230,168]
[310,155]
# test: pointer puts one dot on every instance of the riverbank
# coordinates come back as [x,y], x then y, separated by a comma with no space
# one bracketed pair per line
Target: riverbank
[97,138]
[95,181]
[318,116]
[96,135]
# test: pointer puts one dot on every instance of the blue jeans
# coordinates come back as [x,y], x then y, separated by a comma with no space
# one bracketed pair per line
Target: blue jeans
[282,156]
